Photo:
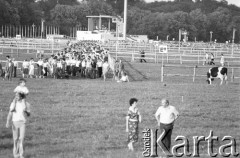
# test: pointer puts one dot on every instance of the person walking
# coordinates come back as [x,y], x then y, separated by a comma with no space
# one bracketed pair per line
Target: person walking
[132,120]
[25,68]
[166,116]
[120,69]
[99,67]
[105,68]
[40,68]
[15,64]
[222,60]
[31,68]
[212,59]
[9,68]
[206,62]
[17,117]
[142,56]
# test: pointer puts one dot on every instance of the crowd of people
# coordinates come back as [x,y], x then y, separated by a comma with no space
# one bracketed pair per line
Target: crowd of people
[82,59]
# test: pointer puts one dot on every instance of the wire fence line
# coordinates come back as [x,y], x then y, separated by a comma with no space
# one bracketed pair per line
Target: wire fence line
[190,54]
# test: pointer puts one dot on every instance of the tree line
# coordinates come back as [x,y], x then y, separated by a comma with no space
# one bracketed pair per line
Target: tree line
[157,19]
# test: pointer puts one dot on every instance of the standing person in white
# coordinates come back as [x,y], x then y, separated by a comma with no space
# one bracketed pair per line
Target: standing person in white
[31,68]
[17,117]
[222,60]
[206,59]
[105,68]
[166,115]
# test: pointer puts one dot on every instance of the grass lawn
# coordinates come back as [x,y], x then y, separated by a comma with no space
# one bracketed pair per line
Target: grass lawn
[85,118]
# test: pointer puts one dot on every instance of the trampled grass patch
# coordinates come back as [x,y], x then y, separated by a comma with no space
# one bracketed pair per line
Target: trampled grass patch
[86,117]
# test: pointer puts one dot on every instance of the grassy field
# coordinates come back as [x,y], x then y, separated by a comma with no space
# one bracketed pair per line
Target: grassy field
[85,118]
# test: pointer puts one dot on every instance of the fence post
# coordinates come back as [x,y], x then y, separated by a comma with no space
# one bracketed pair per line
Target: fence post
[194,73]
[232,77]
[167,57]
[17,52]
[27,46]
[132,57]
[198,57]
[156,59]
[162,73]
[180,58]
[52,46]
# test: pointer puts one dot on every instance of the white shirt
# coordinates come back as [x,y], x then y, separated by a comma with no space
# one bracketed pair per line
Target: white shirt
[45,64]
[88,64]
[124,78]
[105,65]
[167,115]
[78,62]
[73,62]
[15,63]
[25,64]
[68,62]
[222,59]
[20,107]
[21,89]
[40,62]
[59,65]
[206,56]
[83,63]
[99,64]
[31,62]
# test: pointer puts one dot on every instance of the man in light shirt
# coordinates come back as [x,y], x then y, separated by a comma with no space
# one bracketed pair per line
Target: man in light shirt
[25,67]
[166,115]
[15,64]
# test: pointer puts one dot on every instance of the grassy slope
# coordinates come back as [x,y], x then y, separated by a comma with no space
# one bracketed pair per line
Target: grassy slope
[86,118]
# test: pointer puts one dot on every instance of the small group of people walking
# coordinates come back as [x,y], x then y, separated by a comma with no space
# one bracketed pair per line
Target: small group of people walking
[209,59]
[165,115]
[10,70]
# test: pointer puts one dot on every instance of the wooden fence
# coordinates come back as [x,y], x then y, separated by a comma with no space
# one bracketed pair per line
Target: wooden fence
[194,73]
[152,48]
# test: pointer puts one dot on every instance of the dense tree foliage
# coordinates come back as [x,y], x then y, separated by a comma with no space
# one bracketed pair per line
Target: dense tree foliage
[160,19]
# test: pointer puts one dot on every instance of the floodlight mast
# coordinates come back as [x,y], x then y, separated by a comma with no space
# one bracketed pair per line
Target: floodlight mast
[125,20]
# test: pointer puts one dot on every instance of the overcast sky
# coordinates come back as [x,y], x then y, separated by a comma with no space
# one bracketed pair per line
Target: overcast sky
[236,2]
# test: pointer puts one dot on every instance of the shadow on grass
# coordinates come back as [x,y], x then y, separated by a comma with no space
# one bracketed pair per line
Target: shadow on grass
[111,148]
[6,146]
[6,134]
[143,77]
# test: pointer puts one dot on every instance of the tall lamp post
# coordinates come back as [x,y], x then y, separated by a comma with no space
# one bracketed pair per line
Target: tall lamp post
[33,27]
[211,36]
[42,27]
[234,30]
[125,20]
